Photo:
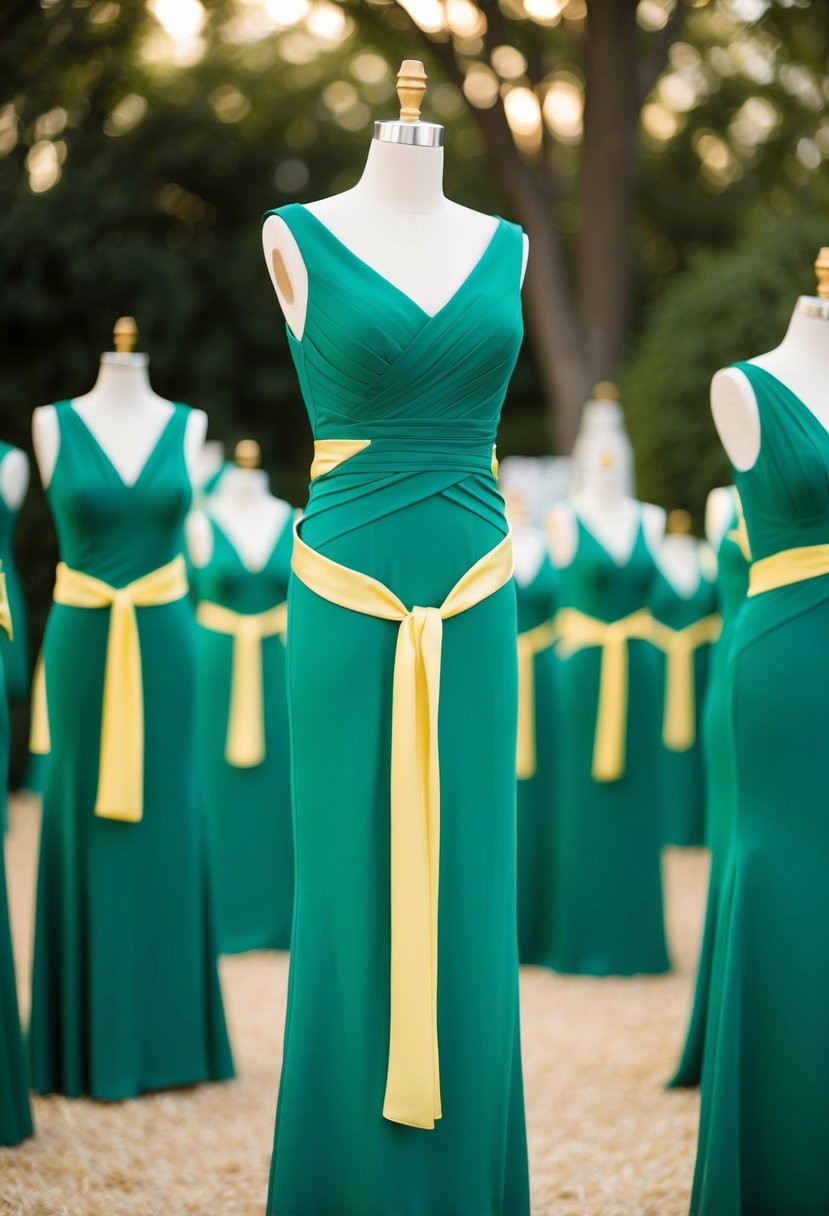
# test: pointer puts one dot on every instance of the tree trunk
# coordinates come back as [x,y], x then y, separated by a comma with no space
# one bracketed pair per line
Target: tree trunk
[608,165]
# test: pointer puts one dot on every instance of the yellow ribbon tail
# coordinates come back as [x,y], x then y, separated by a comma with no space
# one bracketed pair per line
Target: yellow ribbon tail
[245,746]
[609,744]
[413,1079]
[39,741]
[679,721]
[5,609]
[525,755]
[121,772]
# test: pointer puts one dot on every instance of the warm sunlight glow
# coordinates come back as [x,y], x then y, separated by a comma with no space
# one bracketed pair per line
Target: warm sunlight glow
[181,19]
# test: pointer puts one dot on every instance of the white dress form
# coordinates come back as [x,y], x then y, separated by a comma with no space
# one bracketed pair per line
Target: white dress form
[398,221]
[602,423]
[124,415]
[678,557]
[14,478]
[528,542]
[250,516]
[800,362]
[606,509]
[719,509]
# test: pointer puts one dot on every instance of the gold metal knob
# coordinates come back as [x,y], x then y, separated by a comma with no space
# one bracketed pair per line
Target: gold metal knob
[606,390]
[679,522]
[822,272]
[248,454]
[411,87]
[125,335]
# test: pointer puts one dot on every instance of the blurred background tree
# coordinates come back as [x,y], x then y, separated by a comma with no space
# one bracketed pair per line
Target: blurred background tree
[141,141]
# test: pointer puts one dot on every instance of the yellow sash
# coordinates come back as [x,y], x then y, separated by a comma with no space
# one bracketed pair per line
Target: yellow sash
[328,453]
[578,630]
[679,723]
[413,1078]
[788,566]
[530,643]
[5,608]
[39,741]
[245,745]
[121,771]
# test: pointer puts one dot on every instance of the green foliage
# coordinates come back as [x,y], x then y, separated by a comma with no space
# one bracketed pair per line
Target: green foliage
[727,306]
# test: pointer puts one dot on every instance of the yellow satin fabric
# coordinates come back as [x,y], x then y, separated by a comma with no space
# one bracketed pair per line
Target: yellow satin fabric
[788,566]
[578,630]
[328,453]
[530,643]
[494,465]
[5,609]
[679,720]
[39,741]
[121,770]
[245,744]
[413,1079]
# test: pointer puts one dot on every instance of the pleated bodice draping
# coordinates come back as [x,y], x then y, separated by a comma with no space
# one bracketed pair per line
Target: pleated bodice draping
[415,509]
[764,1122]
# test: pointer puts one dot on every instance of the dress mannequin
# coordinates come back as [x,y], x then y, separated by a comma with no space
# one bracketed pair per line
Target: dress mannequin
[800,362]
[397,220]
[123,413]
[719,510]
[602,421]
[250,516]
[528,542]
[678,557]
[14,479]
[605,506]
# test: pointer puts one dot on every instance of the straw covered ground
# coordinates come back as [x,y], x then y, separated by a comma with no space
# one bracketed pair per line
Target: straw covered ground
[605,1137]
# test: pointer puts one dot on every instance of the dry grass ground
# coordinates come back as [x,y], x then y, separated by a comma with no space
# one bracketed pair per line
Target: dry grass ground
[605,1137]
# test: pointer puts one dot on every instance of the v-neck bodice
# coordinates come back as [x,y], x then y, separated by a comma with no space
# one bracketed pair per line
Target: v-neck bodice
[785,494]
[226,580]
[598,585]
[106,527]
[675,609]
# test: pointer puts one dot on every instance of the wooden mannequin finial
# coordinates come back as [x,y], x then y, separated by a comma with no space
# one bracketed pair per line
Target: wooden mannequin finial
[679,522]
[248,454]
[822,272]
[125,335]
[411,87]
[606,390]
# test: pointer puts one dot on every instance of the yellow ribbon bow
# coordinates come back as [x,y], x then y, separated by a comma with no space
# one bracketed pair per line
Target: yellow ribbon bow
[530,643]
[679,719]
[245,745]
[413,1078]
[578,631]
[121,771]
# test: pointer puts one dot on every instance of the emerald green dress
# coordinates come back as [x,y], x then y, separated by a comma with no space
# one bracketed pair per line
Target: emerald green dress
[15,1115]
[682,780]
[537,602]
[764,1124]
[717,745]
[609,915]
[15,654]
[248,809]
[415,510]
[125,990]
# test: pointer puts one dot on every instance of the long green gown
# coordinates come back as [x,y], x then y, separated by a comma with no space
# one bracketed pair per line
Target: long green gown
[682,779]
[732,584]
[15,1115]
[537,602]
[764,1124]
[248,810]
[415,510]
[125,989]
[609,914]
[15,654]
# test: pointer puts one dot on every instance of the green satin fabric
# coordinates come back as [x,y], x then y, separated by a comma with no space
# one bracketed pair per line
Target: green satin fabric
[248,810]
[609,918]
[415,510]
[717,746]
[764,1125]
[681,774]
[538,602]
[15,1115]
[15,654]
[125,991]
